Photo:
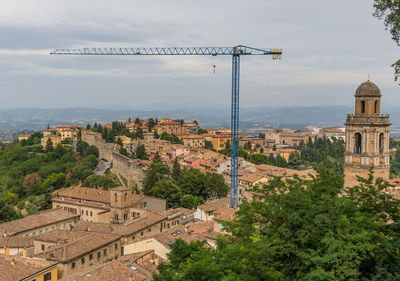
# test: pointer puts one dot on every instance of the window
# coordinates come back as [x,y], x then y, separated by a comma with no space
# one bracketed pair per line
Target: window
[376,106]
[98,254]
[42,247]
[116,246]
[115,197]
[362,106]
[90,256]
[87,212]
[126,196]
[141,233]
[133,237]
[47,276]
[149,229]
[381,142]
[104,252]
[91,213]
[73,265]
[34,279]
[357,143]
[83,260]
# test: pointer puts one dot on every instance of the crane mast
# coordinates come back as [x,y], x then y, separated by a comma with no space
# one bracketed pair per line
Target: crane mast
[235,52]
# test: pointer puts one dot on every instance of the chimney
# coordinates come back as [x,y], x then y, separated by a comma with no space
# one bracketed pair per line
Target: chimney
[6,251]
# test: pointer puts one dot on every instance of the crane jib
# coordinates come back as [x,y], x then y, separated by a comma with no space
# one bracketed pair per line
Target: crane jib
[235,52]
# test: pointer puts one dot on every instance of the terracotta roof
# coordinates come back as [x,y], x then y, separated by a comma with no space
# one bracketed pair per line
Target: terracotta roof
[168,237]
[135,267]
[224,214]
[394,182]
[250,177]
[25,135]
[79,247]
[194,137]
[169,123]
[34,221]
[213,205]
[200,225]
[90,194]
[22,268]
[127,228]
[61,236]
[16,242]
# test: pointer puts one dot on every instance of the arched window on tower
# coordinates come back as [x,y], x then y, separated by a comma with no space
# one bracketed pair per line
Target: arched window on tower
[376,106]
[115,197]
[357,143]
[362,106]
[381,142]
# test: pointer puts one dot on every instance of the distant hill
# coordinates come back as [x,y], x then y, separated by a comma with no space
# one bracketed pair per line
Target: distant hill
[252,120]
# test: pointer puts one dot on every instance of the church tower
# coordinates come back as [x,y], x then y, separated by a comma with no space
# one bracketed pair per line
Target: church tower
[367,137]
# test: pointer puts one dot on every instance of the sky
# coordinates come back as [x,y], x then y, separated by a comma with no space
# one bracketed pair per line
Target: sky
[329,48]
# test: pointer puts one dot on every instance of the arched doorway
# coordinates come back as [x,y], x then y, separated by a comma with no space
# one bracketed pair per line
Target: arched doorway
[357,143]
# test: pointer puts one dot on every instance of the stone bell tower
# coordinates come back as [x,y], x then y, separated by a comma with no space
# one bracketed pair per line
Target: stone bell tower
[367,137]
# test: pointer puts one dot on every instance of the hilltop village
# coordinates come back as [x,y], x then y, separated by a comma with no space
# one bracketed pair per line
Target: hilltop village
[157,181]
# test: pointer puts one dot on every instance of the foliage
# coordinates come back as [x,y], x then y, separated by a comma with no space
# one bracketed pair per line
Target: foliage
[99,181]
[176,171]
[26,172]
[167,189]
[208,145]
[323,150]
[140,152]
[300,230]
[157,171]
[171,138]
[390,11]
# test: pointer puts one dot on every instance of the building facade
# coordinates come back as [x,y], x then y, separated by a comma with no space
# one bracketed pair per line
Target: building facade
[367,137]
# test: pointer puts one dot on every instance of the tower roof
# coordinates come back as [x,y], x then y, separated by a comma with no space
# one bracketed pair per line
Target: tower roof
[368,89]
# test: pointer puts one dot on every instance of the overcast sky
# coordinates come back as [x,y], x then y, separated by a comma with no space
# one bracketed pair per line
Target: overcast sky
[329,48]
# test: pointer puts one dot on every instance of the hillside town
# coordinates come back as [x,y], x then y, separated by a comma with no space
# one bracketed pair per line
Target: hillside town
[124,232]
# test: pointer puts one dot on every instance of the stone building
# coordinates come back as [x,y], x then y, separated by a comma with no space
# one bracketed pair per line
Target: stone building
[367,137]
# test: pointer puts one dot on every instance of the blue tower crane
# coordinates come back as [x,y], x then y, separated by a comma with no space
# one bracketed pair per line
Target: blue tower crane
[235,52]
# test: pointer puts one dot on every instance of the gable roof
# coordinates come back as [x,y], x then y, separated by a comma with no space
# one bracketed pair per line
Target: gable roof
[34,221]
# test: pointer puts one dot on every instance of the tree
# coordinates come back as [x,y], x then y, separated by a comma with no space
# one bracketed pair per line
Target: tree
[140,152]
[82,147]
[192,182]
[137,121]
[156,135]
[99,181]
[298,230]
[390,11]
[176,171]
[190,202]
[49,145]
[167,189]
[29,181]
[92,150]
[156,172]
[208,145]
[247,146]
[215,186]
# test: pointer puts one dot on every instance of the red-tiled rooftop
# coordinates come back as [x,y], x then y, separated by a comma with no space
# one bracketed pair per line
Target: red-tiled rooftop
[34,221]
[85,193]
[22,268]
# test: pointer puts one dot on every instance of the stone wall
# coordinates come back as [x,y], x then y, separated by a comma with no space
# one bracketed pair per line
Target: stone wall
[130,169]
[351,173]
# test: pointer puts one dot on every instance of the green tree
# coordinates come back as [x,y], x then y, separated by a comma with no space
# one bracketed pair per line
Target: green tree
[99,181]
[92,150]
[191,202]
[176,171]
[193,182]
[157,171]
[389,10]
[299,230]
[208,145]
[167,189]
[215,186]
[140,152]
[49,145]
